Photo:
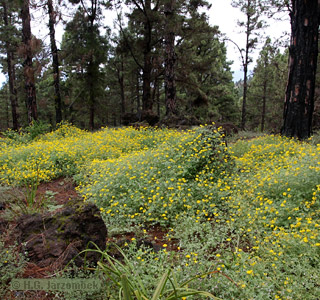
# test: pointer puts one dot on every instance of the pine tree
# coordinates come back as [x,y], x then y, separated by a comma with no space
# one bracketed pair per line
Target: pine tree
[267,86]
[189,69]
[144,22]
[26,49]
[204,79]
[303,54]
[170,58]
[9,35]
[84,50]
[55,61]
[252,10]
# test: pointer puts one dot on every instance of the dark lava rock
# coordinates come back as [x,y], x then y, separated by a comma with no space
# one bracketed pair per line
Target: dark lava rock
[58,238]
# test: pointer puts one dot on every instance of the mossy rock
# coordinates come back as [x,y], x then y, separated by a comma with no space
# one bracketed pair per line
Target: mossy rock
[57,238]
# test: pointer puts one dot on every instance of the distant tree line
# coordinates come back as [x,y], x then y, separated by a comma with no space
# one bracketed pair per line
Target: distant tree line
[164,65]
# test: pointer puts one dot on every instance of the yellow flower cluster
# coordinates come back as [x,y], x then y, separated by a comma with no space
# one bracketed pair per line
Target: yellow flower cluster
[261,197]
[64,152]
[280,188]
[275,202]
[155,185]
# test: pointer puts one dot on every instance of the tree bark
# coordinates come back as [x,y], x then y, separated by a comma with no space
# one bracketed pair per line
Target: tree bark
[138,94]
[92,99]
[92,114]
[245,75]
[11,74]
[170,83]
[303,53]
[91,86]
[264,96]
[147,63]
[27,64]
[122,87]
[55,62]
[92,67]
[13,90]
[7,108]
[264,103]
[244,97]
[158,101]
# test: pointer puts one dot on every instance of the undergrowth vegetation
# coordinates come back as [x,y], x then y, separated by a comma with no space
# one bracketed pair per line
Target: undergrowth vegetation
[248,214]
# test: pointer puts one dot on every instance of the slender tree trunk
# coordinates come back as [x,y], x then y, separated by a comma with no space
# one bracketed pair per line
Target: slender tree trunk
[155,92]
[55,62]
[138,94]
[245,77]
[147,65]
[158,100]
[7,104]
[93,69]
[13,91]
[146,85]
[244,98]
[92,114]
[11,74]
[170,60]
[264,96]
[303,53]
[27,64]
[122,88]
[92,99]
[264,103]
[132,93]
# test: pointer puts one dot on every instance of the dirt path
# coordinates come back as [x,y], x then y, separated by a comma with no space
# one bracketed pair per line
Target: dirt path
[61,189]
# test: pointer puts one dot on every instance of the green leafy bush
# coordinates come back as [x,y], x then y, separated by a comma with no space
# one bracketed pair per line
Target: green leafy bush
[37,128]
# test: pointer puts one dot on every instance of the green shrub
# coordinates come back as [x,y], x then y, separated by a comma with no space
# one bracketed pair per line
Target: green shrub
[37,128]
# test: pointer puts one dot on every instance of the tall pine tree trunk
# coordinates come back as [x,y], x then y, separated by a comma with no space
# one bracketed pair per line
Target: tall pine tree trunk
[11,74]
[122,87]
[158,101]
[147,63]
[92,99]
[93,68]
[138,93]
[27,63]
[303,53]
[245,75]
[13,91]
[244,98]
[146,84]
[170,84]
[92,113]
[264,104]
[55,62]
[264,96]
